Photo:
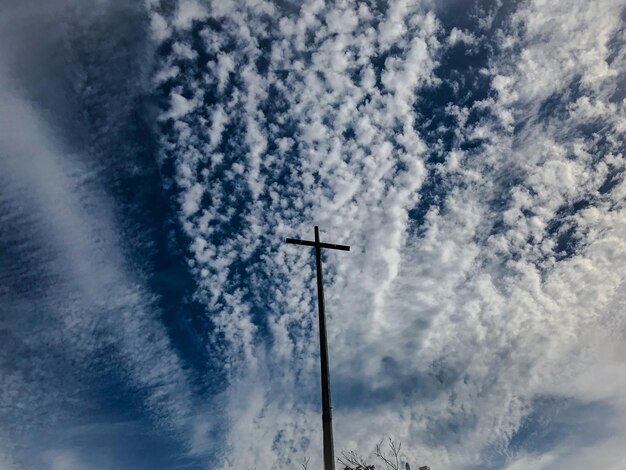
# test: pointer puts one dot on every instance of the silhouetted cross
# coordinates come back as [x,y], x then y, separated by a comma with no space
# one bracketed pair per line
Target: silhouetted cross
[327,419]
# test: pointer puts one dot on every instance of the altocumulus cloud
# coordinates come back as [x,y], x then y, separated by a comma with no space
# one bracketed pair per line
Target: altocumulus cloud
[470,152]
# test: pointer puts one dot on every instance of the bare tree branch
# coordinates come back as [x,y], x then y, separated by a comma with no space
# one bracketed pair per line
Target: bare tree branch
[353,461]
[391,459]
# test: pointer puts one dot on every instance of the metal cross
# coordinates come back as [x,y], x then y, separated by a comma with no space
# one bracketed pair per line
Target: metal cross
[327,419]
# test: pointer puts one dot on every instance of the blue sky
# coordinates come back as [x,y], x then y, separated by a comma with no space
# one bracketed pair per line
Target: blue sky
[154,155]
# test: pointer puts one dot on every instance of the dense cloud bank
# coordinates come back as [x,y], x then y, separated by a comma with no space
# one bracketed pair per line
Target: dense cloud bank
[153,159]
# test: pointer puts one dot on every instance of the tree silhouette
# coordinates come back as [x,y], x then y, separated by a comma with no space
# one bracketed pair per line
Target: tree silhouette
[388,459]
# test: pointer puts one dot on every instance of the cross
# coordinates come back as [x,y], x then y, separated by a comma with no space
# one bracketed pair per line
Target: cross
[327,419]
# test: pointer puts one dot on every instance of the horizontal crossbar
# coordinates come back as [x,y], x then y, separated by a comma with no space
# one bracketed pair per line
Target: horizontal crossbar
[331,246]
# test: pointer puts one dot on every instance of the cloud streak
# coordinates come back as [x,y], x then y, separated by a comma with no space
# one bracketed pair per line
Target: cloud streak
[75,314]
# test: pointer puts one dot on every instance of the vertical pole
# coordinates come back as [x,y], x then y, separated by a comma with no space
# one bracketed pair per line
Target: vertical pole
[327,419]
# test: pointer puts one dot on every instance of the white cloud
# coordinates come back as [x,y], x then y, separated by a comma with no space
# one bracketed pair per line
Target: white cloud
[448,333]
[159,27]
[78,295]
[460,312]
[188,11]
[179,106]
[444,330]
[459,36]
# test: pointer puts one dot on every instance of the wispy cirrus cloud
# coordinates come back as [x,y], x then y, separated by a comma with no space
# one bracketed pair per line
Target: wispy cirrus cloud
[472,155]
[77,318]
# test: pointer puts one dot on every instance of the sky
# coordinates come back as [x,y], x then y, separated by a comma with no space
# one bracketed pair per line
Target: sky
[154,155]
